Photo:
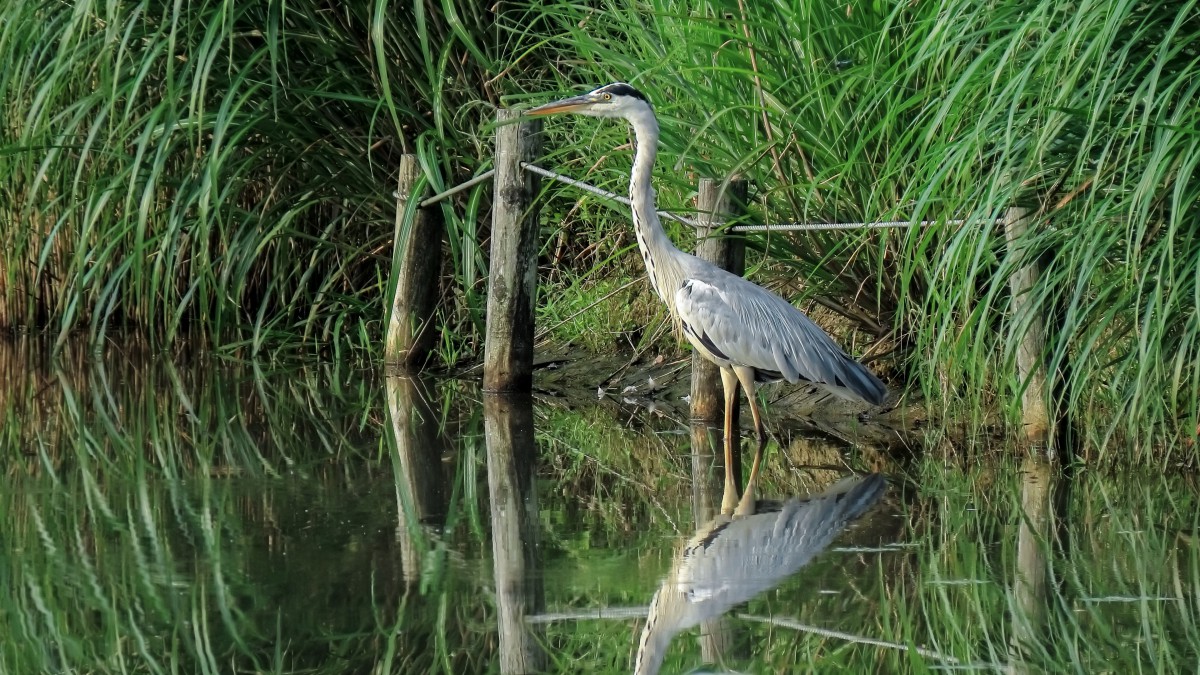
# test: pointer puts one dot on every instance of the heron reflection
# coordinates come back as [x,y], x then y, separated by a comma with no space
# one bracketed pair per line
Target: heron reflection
[734,557]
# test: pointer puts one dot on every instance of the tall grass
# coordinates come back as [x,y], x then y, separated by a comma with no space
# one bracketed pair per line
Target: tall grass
[218,169]
[225,170]
[1083,114]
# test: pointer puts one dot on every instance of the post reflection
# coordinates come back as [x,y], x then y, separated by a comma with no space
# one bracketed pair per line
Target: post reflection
[716,634]
[511,454]
[417,464]
[733,558]
[1038,480]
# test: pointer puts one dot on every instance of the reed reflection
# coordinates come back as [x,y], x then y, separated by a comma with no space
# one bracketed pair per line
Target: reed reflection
[511,453]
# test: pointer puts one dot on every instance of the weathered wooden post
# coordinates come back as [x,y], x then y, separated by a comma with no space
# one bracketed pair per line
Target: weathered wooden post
[410,331]
[1031,371]
[512,273]
[728,252]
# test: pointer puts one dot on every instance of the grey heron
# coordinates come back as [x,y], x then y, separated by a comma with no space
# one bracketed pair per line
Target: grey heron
[753,335]
[734,558]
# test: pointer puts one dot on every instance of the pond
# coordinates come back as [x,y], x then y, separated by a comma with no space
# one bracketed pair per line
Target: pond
[194,515]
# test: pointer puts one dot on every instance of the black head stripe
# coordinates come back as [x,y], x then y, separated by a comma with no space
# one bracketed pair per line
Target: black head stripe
[622,89]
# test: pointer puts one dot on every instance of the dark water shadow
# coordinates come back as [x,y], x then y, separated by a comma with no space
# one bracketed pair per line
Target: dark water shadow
[649,393]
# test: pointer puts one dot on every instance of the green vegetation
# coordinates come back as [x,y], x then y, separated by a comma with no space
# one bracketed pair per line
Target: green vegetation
[1080,113]
[603,316]
[224,173]
[179,180]
[216,170]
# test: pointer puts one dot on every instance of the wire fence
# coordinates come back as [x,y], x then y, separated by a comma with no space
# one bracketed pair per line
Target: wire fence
[600,192]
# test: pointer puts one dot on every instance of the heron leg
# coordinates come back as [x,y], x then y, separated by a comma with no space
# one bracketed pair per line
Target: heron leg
[729,498]
[746,377]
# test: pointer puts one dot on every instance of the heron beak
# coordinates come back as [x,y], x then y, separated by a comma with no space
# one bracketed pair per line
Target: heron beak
[571,104]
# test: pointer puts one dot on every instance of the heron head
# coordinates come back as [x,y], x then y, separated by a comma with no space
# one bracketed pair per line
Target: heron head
[612,100]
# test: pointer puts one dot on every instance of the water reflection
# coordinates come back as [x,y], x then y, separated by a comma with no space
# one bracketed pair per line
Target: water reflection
[733,558]
[717,637]
[199,515]
[512,461]
[420,483]
[1035,536]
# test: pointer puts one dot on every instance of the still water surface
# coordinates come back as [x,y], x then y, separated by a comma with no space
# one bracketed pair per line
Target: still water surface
[213,517]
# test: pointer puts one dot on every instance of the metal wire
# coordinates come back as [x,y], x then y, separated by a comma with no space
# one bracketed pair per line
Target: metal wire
[454,190]
[796,625]
[780,227]
[588,615]
[801,227]
[533,168]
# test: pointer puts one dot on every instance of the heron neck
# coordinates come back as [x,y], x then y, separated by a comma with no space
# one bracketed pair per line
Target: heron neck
[660,255]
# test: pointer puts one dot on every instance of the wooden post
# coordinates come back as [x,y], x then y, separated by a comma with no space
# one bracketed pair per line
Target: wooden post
[727,252]
[1031,370]
[410,331]
[512,270]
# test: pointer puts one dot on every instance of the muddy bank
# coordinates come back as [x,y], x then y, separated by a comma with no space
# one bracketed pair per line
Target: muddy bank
[659,386]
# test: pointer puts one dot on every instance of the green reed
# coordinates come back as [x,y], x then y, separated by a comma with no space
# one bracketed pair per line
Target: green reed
[226,172]
[836,113]
[220,171]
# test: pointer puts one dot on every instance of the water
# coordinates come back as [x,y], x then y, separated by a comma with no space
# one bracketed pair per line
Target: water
[224,517]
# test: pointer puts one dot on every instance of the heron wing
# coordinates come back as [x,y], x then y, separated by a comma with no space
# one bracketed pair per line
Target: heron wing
[744,324]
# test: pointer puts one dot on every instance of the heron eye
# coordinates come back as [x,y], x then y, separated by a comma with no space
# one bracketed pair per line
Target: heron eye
[607,97]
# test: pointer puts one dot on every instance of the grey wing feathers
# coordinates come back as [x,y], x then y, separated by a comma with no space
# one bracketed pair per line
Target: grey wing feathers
[747,325]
